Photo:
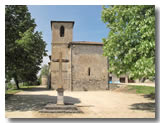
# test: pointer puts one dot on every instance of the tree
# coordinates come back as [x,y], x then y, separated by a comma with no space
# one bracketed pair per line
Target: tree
[24,48]
[130,46]
[33,48]
[45,70]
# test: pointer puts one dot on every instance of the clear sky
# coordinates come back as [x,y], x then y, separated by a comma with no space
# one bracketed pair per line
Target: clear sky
[88,25]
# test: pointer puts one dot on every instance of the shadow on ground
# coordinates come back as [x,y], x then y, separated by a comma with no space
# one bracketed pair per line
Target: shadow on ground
[35,89]
[33,102]
[150,96]
[144,106]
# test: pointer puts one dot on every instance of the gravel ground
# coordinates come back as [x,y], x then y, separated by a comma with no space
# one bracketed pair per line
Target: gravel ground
[93,104]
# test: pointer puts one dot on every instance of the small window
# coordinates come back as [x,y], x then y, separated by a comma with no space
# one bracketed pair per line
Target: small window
[89,71]
[62,31]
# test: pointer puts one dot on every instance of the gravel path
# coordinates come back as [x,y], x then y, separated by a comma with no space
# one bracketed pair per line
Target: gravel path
[94,104]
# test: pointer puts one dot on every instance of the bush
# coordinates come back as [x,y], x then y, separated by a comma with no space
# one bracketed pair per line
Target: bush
[36,83]
[10,86]
[25,84]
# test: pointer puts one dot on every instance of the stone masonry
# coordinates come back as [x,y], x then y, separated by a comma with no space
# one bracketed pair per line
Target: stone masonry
[87,67]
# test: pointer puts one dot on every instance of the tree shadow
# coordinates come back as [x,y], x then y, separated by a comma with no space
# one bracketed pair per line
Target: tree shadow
[35,89]
[33,102]
[144,106]
[150,96]
[8,95]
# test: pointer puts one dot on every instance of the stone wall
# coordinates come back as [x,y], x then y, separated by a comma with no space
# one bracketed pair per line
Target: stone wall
[68,32]
[60,44]
[66,66]
[89,68]
[86,69]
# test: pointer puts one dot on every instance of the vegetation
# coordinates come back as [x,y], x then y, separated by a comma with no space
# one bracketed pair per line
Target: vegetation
[45,70]
[10,85]
[142,89]
[24,47]
[13,90]
[130,46]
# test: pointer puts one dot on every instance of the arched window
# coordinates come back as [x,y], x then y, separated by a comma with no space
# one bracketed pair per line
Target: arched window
[62,31]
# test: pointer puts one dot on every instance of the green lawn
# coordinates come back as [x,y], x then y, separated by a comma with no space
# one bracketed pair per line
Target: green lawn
[31,86]
[142,89]
[13,91]
[148,92]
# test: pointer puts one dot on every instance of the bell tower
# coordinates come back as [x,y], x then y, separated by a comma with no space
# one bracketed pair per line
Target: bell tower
[62,34]
[62,31]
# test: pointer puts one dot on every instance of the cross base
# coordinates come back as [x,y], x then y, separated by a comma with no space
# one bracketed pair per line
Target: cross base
[54,108]
[60,97]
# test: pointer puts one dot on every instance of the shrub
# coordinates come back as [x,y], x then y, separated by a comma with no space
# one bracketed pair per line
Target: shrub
[10,86]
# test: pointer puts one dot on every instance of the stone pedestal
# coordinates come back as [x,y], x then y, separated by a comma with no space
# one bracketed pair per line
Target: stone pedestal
[60,97]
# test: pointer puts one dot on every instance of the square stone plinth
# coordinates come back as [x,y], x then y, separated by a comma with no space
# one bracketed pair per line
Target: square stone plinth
[54,108]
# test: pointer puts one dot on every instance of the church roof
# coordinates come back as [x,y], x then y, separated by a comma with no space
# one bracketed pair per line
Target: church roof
[85,43]
[63,21]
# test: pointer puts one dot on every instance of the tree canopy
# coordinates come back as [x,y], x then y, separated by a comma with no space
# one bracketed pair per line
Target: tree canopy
[130,45]
[24,47]
[44,70]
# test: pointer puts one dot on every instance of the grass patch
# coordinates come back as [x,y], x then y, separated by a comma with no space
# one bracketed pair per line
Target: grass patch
[142,89]
[28,86]
[14,91]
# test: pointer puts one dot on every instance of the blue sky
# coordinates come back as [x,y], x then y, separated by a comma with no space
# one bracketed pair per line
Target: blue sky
[88,25]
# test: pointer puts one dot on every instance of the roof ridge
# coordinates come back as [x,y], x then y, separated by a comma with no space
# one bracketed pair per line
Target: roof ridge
[87,42]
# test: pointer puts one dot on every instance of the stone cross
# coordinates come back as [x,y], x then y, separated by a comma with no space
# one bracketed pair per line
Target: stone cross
[60,89]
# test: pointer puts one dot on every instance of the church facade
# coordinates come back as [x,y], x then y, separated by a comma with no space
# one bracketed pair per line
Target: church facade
[86,67]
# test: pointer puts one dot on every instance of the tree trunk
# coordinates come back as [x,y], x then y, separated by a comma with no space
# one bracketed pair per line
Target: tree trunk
[16,81]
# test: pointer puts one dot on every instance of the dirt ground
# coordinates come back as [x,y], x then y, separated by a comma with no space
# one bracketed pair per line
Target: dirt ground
[93,104]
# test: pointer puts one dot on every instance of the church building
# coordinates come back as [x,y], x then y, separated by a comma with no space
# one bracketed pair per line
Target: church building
[84,67]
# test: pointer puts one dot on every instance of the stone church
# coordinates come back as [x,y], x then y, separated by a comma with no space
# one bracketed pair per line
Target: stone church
[86,67]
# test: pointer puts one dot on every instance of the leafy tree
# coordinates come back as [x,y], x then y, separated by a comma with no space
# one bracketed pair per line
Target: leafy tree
[24,48]
[33,47]
[45,70]
[130,45]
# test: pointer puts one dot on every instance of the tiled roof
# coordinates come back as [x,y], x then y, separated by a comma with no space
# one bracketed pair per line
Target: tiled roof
[63,22]
[85,43]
